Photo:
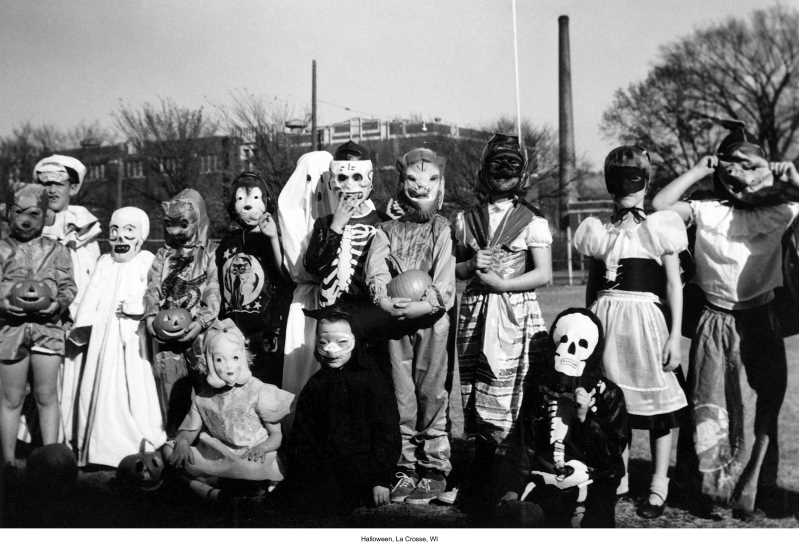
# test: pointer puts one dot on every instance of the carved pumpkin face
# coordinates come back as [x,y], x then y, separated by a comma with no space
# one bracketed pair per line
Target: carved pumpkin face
[31,295]
[171,323]
[143,471]
[410,284]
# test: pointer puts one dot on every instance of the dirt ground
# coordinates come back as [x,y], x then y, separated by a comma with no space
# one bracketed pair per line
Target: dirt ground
[97,501]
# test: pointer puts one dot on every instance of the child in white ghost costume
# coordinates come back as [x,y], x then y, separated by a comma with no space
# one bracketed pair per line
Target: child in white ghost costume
[303,199]
[232,430]
[73,225]
[115,400]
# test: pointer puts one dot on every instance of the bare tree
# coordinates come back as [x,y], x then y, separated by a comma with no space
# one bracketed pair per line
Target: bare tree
[260,123]
[742,69]
[165,136]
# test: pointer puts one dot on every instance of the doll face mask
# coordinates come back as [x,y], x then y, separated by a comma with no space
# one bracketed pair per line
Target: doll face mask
[27,213]
[127,231]
[335,343]
[351,180]
[226,356]
[249,205]
[575,337]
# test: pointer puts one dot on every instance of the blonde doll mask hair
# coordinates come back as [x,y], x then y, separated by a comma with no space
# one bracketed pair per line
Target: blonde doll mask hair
[226,355]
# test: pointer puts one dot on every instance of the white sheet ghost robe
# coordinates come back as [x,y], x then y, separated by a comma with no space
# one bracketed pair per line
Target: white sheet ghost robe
[117,404]
[304,198]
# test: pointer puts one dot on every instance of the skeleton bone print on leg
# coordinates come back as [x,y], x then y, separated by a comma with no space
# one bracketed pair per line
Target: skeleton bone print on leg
[349,262]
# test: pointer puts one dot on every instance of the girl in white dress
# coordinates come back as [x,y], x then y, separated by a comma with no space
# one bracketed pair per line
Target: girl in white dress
[643,348]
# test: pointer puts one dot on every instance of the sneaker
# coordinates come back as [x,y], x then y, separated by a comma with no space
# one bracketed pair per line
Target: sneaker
[427,489]
[406,483]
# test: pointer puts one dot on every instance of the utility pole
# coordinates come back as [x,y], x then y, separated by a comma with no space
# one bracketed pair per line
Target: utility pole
[566,132]
[314,140]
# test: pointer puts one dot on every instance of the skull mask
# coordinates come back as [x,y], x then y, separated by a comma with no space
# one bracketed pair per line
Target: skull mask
[226,355]
[351,175]
[421,173]
[577,340]
[127,231]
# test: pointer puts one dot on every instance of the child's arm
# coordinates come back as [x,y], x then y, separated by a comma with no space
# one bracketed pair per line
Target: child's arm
[152,296]
[377,272]
[540,275]
[269,228]
[669,196]
[480,261]
[672,349]
[65,280]
[188,432]
[210,301]
[594,282]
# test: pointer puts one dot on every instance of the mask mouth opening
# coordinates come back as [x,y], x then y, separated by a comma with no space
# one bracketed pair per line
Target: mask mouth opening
[419,192]
[568,366]
[122,248]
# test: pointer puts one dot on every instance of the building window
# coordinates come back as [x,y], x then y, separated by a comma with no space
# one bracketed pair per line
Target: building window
[96,172]
[209,163]
[133,169]
[247,155]
[168,165]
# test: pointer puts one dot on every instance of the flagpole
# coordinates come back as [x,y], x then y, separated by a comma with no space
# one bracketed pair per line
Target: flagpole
[516,72]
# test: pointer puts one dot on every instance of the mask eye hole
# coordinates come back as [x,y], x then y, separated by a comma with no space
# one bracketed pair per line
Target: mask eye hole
[563,339]
[341,177]
[583,343]
[357,177]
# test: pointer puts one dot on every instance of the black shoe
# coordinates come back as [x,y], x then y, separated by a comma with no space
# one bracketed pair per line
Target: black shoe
[649,511]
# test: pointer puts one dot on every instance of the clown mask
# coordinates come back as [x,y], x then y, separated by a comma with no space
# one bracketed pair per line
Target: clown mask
[226,356]
[575,336]
[127,232]
[351,180]
[180,223]
[745,174]
[335,343]
[28,211]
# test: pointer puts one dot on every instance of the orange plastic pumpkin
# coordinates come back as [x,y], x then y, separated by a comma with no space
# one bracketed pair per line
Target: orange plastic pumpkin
[143,471]
[171,323]
[31,295]
[410,284]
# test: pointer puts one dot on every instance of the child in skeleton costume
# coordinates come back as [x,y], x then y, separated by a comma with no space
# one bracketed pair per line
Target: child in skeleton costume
[183,276]
[303,199]
[114,397]
[503,248]
[248,263]
[340,242]
[73,225]
[232,430]
[36,289]
[642,352]
[737,369]
[343,448]
[418,349]
[566,456]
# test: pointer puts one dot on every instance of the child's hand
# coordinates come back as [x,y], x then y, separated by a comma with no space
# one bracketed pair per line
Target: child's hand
[405,309]
[268,226]
[181,455]
[191,333]
[491,280]
[344,210]
[148,323]
[380,495]
[672,353]
[583,402]
[785,171]
[11,309]
[50,310]
[482,261]
[127,309]
[257,453]
[706,165]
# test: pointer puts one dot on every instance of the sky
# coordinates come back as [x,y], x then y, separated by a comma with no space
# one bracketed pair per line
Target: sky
[70,62]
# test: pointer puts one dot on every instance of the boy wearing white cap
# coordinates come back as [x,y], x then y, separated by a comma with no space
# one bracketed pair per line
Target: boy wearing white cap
[73,225]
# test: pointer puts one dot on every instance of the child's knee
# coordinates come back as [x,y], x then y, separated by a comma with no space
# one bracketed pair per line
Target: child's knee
[45,395]
[13,399]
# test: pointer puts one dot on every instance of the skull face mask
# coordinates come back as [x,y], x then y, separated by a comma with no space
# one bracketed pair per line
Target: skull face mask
[128,229]
[421,173]
[577,339]
[351,180]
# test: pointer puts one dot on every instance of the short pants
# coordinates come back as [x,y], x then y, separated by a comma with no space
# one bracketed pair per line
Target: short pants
[19,340]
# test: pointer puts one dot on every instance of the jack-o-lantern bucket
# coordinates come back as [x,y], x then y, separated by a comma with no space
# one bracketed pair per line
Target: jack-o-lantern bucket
[410,284]
[31,295]
[171,323]
[143,471]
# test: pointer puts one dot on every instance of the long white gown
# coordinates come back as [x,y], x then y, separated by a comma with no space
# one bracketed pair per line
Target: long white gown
[115,403]
[304,198]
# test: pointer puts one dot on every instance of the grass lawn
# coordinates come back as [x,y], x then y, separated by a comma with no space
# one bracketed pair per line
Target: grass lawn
[97,502]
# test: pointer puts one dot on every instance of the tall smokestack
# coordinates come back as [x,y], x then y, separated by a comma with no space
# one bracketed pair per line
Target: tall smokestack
[566,129]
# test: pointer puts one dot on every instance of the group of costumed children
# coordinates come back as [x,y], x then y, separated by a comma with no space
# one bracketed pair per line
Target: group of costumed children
[142,361]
